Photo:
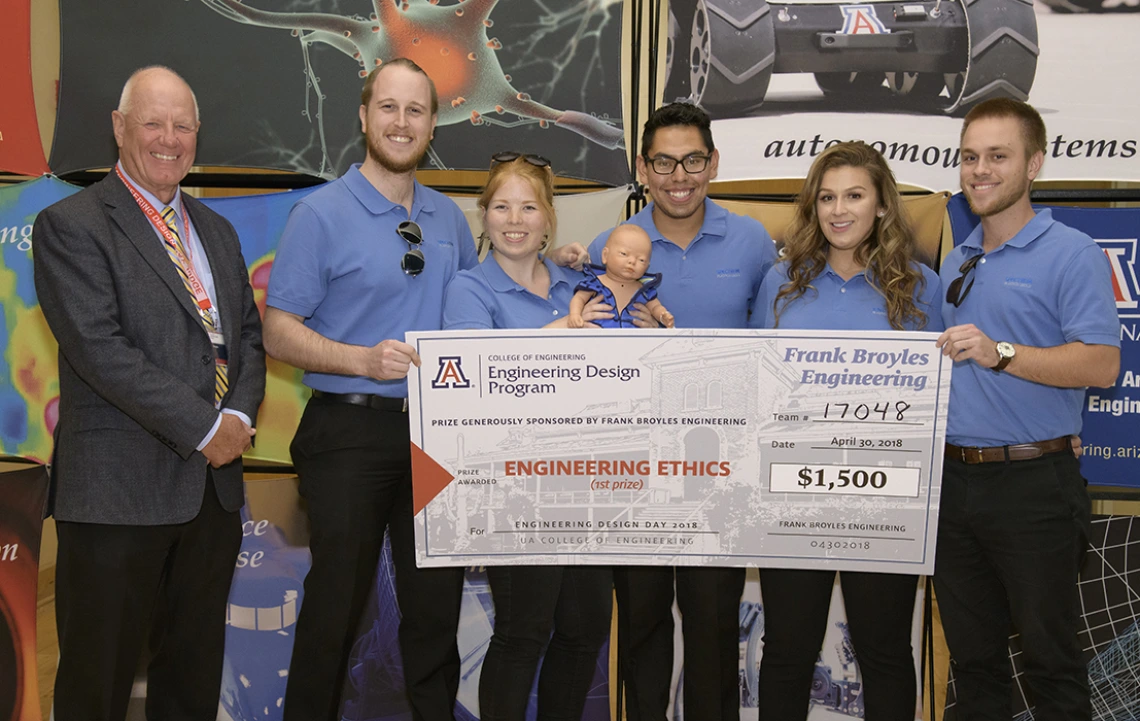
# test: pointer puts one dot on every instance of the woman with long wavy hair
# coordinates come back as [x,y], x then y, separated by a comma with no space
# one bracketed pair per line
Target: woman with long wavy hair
[847,265]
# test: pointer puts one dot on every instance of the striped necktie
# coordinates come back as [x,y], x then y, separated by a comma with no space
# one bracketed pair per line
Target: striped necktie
[221,373]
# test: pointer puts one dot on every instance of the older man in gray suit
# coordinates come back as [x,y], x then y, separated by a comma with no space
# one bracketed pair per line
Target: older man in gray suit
[161,372]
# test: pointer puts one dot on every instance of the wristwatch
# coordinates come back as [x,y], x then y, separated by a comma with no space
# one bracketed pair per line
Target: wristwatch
[1006,352]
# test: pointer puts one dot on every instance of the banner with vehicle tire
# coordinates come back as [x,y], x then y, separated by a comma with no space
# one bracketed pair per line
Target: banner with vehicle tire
[1109,628]
[279,84]
[23,493]
[1111,415]
[20,149]
[783,79]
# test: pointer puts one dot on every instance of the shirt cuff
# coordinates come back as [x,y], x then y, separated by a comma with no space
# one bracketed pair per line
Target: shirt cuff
[218,422]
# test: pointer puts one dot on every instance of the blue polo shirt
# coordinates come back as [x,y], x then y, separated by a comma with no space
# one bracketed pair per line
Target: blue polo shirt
[714,282]
[1047,286]
[485,297]
[832,303]
[338,266]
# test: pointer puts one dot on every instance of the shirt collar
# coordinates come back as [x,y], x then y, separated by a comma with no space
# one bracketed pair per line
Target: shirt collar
[500,282]
[151,198]
[827,270]
[715,223]
[374,200]
[1032,230]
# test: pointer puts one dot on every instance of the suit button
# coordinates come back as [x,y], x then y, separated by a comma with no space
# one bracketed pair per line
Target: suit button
[205,360]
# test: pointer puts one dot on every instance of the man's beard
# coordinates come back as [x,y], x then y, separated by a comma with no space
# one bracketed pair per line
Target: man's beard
[1001,203]
[392,165]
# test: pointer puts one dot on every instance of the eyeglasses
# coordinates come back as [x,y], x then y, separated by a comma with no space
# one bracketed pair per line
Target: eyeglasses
[665,165]
[507,156]
[413,261]
[955,294]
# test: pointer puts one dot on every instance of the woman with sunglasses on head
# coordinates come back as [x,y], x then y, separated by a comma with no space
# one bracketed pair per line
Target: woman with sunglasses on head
[847,265]
[517,287]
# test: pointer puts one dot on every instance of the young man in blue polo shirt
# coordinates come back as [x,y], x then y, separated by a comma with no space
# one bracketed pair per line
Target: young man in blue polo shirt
[363,260]
[712,264]
[1031,321]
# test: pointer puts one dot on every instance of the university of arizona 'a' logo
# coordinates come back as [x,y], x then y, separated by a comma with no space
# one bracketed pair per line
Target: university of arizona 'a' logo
[450,374]
[861,20]
[1121,255]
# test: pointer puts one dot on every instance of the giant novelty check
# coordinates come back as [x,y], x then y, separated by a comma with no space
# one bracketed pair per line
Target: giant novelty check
[794,449]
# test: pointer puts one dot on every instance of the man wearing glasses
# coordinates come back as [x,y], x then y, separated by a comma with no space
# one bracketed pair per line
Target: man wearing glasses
[363,260]
[712,263]
[1031,321]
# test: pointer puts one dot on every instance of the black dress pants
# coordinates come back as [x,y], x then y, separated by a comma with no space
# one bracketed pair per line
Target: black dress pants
[113,584]
[709,600]
[1011,539]
[355,468]
[564,610]
[880,609]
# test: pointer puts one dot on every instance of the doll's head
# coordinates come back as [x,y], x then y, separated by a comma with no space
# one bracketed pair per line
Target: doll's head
[627,252]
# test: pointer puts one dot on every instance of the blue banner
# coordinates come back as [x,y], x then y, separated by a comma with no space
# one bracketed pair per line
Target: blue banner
[1110,433]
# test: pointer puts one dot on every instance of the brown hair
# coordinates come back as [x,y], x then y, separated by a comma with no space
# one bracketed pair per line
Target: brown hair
[886,253]
[540,178]
[1032,126]
[366,91]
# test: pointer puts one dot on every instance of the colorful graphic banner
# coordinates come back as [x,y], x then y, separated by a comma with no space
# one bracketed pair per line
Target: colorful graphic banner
[20,148]
[259,221]
[29,387]
[29,377]
[1109,434]
[23,492]
[281,88]
[786,78]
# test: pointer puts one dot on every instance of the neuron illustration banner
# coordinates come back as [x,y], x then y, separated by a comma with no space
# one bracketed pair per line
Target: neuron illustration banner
[784,78]
[278,81]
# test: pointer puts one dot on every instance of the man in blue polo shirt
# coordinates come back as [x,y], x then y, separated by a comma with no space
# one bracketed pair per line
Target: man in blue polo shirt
[712,263]
[1031,321]
[363,260]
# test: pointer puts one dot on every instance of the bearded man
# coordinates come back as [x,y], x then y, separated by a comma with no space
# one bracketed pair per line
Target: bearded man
[362,261]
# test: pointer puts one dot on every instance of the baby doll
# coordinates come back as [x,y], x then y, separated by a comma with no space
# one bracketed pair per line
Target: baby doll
[622,281]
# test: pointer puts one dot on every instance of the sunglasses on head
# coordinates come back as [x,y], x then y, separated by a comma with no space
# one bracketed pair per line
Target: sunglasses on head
[507,156]
[413,261]
[955,294]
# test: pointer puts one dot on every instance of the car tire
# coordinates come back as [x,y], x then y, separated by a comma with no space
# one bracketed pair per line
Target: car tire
[1002,51]
[918,90]
[732,55]
[679,51]
[848,84]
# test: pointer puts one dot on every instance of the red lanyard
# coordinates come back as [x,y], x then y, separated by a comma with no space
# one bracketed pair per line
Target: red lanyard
[155,217]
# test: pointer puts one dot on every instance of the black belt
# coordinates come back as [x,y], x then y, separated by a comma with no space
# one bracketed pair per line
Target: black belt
[1000,454]
[368,400]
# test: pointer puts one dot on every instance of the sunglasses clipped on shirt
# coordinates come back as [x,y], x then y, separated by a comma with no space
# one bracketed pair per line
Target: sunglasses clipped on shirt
[955,294]
[507,156]
[413,261]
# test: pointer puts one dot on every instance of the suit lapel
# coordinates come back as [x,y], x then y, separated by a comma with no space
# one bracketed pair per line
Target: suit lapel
[125,212]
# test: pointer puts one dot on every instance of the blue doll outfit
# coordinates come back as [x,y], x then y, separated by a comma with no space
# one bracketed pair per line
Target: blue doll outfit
[646,293]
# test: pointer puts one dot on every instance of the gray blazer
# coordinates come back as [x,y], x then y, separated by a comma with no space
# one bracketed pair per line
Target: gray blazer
[136,368]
